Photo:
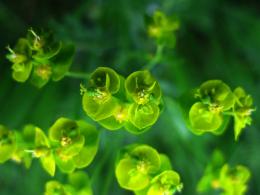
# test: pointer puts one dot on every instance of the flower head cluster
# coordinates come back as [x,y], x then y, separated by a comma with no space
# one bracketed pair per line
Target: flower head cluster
[115,102]
[216,104]
[78,183]
[162,29]
[140,168]
[220,176]
[69,145]
[39,57]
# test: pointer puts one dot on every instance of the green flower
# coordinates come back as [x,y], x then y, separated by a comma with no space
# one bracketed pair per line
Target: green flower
[40,57]
[162,29]
[234,180]
[7,144]
[208,114]
[243,110]
[135,166]
[98,101]
[167,183]
[142,88]
[78,183]
[75,143]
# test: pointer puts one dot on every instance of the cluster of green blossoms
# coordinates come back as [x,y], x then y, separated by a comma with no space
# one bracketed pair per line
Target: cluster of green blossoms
[215,105]
[39,57]
[162,28]
[116,102]
[220,176]
[69,145]
[141,169]
[78,184]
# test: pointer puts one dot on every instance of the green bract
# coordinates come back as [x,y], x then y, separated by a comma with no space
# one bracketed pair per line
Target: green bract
[40,57]
[168,182]
[162,29]
[232,181]
[140,168]
[243,110]
[7,144]
[115,102]
[75,143]
[214,104]
[78,184]
[69,145]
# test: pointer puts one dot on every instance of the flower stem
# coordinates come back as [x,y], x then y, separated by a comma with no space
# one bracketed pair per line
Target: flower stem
[156,59]
[77,75]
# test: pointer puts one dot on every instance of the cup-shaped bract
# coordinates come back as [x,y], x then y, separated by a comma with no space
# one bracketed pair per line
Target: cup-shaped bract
[203,120]
[217,94]
[167,182]
[243,110]
[98,101]
[142,88]
[143,116]
[234,180]
[76,143]
[7,144]
[136,165]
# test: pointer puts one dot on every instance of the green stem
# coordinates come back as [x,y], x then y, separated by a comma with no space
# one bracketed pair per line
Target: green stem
[156,59]
[77,75]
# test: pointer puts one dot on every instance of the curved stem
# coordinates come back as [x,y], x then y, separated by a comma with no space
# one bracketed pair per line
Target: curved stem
[77,75]
[156,59]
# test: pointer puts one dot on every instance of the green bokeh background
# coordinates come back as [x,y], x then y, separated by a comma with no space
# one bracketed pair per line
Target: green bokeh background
[217,39]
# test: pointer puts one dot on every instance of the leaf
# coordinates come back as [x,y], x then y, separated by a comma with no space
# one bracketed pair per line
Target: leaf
[88,152]
[7,144]
[61,62]
[48,163]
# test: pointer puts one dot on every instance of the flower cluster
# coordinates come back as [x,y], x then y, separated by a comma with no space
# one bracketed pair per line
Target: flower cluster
[69,145]
[40,57]
[116,102]
[140,168]
[220,176]
[78,183]
[215,104]
[162,29]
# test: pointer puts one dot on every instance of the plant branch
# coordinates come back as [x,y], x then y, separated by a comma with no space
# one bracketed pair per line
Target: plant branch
[156,59]
[77,75]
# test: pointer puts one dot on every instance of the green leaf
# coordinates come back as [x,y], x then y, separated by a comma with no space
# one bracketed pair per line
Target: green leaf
[202,120]
[7,144]
[62,61]
[88,152]
[40,138]
[48,163]
[65,165]
[41,74]
[143,116]
[54,188]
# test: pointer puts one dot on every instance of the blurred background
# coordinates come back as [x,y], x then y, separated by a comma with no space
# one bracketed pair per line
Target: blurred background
[217,39]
